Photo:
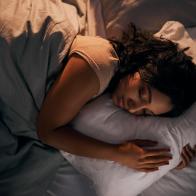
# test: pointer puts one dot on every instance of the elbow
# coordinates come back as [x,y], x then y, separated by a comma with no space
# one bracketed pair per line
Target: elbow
[42,133]
[46,129]
[42,136]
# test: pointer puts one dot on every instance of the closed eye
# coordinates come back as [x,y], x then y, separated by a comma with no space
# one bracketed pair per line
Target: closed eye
[143,94]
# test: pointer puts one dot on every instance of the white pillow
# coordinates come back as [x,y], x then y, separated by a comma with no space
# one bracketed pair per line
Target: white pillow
[114,126]
[102,120]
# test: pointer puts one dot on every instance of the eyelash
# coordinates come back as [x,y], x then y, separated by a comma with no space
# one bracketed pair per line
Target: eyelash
[145,113]
[141,92]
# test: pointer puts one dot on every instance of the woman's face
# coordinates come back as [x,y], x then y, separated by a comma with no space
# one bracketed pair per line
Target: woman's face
[137,97]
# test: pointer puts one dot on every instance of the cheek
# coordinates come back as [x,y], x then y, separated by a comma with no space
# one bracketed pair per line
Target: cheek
[160,106]
[132,90]
[158,109]
[122,86]
[119,88]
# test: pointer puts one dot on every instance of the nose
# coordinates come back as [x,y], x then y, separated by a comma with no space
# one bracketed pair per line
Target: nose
[139,112]
[136,107]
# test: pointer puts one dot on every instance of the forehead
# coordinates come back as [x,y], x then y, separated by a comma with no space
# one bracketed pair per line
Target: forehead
[160,103]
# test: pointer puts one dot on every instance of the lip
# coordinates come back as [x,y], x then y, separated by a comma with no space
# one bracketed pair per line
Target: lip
[125,104]
[121,103]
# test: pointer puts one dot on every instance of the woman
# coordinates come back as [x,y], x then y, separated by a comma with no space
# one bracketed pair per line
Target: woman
[144,76]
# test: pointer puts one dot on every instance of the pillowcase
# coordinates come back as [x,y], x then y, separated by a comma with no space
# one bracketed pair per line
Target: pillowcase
[102,120]
[115,126]
[176,32]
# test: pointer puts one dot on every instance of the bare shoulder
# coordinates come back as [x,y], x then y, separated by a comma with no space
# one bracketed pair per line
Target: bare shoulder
[75,86]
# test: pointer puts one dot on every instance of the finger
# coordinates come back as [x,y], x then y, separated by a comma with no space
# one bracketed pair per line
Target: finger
[190,152]
[180,166]
[155,152]
[157,159]
[154,165]
[184,160]
[147,170]
[185,155]
[143,143]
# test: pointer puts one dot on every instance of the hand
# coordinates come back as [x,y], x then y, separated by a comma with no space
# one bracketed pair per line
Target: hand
[187,154]
[133,155]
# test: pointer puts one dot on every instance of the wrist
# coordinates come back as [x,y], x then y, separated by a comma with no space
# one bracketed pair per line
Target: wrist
[115,154]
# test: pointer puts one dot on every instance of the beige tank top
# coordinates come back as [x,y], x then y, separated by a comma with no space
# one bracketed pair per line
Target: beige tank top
[100,55]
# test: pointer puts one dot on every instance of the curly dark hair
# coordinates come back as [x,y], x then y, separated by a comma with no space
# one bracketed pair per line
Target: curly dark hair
[161,64]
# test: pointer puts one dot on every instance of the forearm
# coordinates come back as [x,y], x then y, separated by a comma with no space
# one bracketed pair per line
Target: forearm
[69,140]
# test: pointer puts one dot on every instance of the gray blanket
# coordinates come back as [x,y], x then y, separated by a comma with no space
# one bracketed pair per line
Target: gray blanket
[34,39]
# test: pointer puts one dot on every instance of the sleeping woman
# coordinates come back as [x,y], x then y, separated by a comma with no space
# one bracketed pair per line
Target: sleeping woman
[144,76]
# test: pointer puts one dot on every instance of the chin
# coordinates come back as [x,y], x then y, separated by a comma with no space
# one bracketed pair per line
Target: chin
[113,96]
[114,99]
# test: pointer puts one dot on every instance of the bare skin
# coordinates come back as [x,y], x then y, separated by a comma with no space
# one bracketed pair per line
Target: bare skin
[136,97]
[76,85]
[187,154]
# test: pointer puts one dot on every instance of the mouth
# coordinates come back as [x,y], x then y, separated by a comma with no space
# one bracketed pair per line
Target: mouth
[120,103]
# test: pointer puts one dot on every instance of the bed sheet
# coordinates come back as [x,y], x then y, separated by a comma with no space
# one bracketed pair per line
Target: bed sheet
[181,183]
[35,37]
[90,16]
[147,14]
[107,18]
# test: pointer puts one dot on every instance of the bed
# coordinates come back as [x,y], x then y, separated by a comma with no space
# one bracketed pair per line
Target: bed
[108,19]
[23,157]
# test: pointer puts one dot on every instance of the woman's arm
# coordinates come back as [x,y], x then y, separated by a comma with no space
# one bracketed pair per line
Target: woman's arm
[71,141]
[76,85]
